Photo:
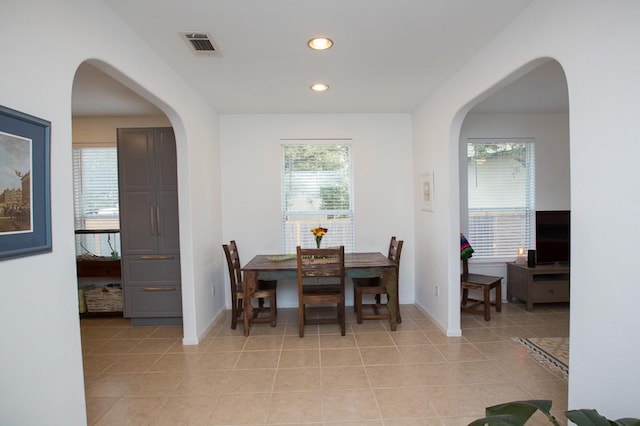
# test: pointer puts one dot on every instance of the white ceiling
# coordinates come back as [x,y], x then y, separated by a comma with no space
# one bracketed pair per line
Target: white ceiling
[388,55]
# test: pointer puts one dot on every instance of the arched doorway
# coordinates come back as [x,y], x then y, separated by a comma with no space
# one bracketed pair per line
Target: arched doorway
[535,108]
[101,105]
[531,110]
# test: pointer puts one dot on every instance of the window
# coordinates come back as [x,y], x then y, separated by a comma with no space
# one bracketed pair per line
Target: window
[317,191]
[501,195]
[95,191]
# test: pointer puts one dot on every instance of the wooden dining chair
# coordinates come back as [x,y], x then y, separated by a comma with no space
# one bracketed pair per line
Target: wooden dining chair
[481,283]
[264,290]
[375,286]
[320,281]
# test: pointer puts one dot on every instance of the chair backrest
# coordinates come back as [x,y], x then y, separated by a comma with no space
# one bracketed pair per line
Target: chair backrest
[465,269]
[233,262]
[322,262]
[395,249]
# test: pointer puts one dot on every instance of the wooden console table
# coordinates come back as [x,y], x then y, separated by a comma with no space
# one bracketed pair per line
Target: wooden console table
[542,284]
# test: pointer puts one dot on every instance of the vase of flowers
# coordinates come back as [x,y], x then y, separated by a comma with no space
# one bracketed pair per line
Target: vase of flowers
[319,232]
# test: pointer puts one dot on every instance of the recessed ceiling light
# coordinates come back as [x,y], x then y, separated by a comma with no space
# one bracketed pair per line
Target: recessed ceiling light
[320,43]
[319,87]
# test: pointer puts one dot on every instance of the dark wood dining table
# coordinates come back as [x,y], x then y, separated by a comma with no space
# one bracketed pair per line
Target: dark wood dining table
[357,265]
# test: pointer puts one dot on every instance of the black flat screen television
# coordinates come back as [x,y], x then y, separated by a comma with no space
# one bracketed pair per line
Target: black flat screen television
[553,236]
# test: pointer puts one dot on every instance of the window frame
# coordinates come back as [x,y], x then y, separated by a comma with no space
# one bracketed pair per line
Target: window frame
[297,231]
[500,239]
[107,218]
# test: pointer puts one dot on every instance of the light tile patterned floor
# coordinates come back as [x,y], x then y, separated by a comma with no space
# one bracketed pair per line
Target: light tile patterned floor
[413,376]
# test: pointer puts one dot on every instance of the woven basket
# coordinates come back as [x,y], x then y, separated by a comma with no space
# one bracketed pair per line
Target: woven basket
[104,299]
[82,303]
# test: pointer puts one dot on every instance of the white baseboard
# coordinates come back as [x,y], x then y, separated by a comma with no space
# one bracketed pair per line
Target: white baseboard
[448,333]
[187,342]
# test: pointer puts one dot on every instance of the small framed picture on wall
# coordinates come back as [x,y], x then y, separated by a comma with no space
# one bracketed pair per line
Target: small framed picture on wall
[426,191]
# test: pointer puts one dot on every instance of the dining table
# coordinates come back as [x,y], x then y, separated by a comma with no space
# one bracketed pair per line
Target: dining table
[357,265]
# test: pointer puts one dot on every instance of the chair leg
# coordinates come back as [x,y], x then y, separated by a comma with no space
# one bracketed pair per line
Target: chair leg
[240,309]
[499,297]
[465,296]
[487,303]
[398,317]
[358,298]
[272,308]
[355,299]
[275,303]
[234,313]
[301,320]
[375,307]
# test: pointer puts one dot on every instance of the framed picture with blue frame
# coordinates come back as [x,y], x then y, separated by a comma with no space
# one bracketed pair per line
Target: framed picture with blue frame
[25,192]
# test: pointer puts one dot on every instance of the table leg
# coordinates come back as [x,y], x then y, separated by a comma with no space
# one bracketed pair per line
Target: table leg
[499,297]
[250,280]
[390,279]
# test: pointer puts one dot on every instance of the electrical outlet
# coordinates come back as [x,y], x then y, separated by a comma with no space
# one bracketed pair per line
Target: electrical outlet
[213,290]
[437,291]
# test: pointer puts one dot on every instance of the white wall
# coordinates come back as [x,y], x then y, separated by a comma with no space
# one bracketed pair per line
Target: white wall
[595,43]
[551,134]
[251,170]
[41,379]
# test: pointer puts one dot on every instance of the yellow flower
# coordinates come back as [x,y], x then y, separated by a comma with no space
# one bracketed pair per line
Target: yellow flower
[319,231]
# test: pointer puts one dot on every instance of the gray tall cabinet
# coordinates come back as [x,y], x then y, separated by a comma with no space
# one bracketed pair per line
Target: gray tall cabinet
[148,185]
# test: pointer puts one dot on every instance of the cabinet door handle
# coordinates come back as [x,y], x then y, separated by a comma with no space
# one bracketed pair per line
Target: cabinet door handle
[156,257]
[151,221]
[158,221]
[159,289]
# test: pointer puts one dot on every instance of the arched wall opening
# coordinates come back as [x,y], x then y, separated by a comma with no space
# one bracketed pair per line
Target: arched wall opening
[96,118]
[531,103]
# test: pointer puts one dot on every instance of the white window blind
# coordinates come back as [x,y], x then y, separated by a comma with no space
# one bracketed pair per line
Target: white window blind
[95,190]
[317,191]
[501,196]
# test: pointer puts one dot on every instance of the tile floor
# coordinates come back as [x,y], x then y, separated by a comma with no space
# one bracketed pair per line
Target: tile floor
[413,376]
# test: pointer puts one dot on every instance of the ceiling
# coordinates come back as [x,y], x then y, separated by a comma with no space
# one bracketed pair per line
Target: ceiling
[388,55]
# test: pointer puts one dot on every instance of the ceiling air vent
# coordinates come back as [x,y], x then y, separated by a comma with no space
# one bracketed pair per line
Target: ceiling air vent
[200,42]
